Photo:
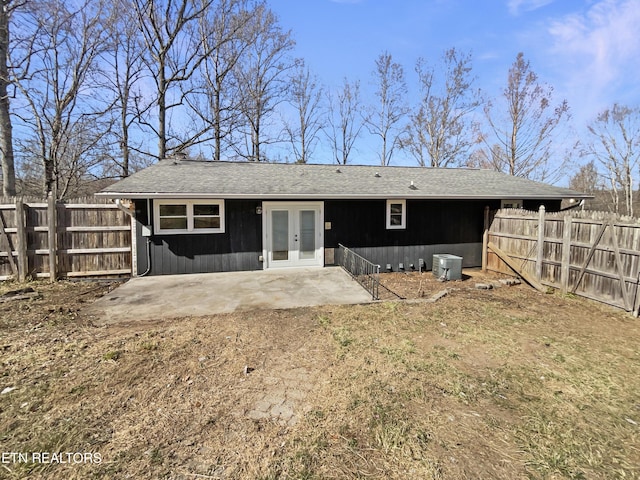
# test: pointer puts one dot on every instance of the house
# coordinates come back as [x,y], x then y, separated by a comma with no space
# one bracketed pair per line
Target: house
[195,216]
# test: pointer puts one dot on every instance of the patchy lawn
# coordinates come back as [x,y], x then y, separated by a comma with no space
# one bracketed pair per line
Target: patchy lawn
[484,384]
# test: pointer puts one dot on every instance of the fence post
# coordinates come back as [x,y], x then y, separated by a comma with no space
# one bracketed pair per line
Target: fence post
[52,222]
[566,254]
[4,236]
[21,227]
[540,254]
[485,239]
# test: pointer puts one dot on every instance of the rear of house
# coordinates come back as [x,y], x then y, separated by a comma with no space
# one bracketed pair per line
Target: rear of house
[197,217]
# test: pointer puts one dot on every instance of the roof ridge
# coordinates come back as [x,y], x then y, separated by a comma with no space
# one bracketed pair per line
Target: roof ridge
[176,161]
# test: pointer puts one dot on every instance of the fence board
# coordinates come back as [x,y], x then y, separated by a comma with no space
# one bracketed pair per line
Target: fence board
[76,238]
[6,244]
[591,254]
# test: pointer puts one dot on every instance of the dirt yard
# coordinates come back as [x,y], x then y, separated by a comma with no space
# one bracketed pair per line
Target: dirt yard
[506,383]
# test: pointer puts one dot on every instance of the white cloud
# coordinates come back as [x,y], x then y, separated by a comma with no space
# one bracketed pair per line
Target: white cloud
[600,50]
[517,6]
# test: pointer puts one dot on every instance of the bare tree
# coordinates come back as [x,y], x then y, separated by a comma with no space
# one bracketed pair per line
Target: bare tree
[226,32]
[261,79]
[169,28]
[345,120]
[83,156]
[305,98]
[385,119]
[439,134]
[56,86]
[523,130]
[586,180]
[6,127]
[615,144]
[123,75]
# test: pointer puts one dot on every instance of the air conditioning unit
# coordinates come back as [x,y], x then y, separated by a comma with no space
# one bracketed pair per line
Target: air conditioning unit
[447,266]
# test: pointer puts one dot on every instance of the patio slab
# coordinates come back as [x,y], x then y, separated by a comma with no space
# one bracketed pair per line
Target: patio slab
[162,297]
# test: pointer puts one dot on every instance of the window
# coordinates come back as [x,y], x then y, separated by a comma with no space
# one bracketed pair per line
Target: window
[189,216]
[206,216]
[511,204]
[396,214]
[172,217]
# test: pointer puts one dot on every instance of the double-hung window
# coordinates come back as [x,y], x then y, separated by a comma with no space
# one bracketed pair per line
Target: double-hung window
[396,214]
[189,216]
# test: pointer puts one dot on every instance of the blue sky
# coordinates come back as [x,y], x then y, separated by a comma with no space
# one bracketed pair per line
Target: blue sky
[588,50]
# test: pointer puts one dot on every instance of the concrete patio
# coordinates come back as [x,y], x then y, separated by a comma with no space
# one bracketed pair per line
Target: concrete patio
[171,296]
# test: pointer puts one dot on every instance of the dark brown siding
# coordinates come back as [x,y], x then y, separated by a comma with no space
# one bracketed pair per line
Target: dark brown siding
[236,249]
[433,227]
[362,223]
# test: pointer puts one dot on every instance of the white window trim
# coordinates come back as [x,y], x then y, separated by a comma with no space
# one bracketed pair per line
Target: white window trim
[403,224]
[190,216]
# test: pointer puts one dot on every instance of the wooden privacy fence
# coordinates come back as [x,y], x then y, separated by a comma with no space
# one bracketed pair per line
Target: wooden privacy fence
[87,237]
[591,254]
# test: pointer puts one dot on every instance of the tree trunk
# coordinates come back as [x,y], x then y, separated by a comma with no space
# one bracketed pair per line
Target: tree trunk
[6,145]
[124,143]
[217,122]
[162,113]
[6,134]
[125,151]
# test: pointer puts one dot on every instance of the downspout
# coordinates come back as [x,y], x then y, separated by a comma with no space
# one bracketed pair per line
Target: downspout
[148,259]
[571,207]
[118,202]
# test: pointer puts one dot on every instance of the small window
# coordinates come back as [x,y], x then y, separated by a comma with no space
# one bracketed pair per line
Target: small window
[396,214]
[189,216]
[511,204]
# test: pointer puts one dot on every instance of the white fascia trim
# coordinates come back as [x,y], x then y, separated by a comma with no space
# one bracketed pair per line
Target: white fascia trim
[303,197]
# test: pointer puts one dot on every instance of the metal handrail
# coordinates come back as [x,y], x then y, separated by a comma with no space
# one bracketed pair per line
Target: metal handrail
[362,270]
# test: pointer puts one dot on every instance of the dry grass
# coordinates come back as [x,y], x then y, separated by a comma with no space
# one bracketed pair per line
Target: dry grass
[500,384]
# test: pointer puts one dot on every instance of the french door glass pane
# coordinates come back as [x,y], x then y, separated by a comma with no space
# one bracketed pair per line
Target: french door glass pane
[280,234]
[307,234]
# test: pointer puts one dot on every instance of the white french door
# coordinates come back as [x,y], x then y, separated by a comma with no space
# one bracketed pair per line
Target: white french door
[292,234]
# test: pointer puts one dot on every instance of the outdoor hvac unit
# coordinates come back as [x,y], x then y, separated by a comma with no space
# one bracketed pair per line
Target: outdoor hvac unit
[447,267]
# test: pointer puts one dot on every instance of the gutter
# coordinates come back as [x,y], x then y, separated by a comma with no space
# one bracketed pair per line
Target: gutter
[316,196]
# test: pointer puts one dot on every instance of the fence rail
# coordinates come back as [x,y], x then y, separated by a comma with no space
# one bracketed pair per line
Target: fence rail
[590,254]
[48,239]
[362,270]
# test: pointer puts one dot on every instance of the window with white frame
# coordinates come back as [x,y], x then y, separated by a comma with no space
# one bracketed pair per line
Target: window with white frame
[189,216]
[396,214]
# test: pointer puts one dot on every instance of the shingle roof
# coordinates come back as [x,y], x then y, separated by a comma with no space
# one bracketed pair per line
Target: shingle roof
[197,179]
